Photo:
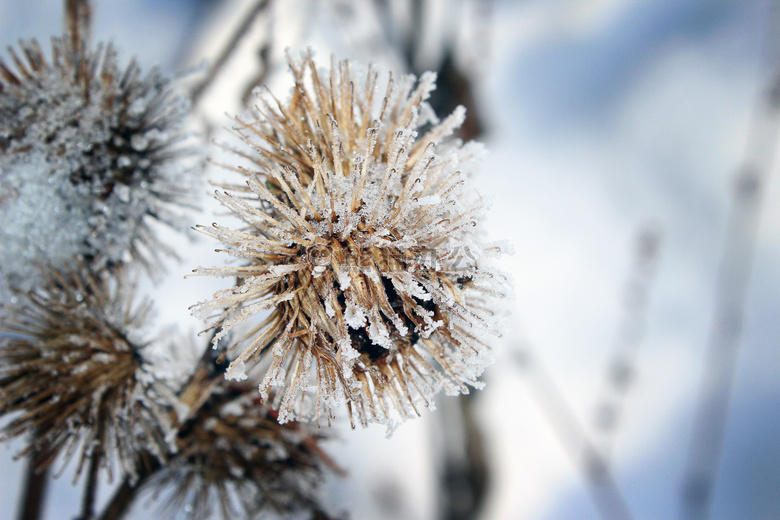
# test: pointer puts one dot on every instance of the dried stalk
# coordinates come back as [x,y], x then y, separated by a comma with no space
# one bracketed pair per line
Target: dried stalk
[78,23]
[259,7]
[630,334]
[731,294]
[91,486]
[598,477]
[464,481]
[123,497]
[36,483]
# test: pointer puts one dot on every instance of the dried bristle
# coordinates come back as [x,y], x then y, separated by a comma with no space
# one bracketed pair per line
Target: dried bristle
[235,458]
[111,133]
[71,375]
[359,237]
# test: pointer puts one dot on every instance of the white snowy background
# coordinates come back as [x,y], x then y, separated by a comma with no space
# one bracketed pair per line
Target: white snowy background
[604,116]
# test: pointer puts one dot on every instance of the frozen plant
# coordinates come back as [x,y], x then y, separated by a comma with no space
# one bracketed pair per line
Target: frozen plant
[90,153]
[235,459]
[361,244]
[72,370]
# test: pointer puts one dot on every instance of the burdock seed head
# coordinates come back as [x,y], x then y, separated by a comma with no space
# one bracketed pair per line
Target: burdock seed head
[90,154]
[73,380]
[233,458]
[360,251]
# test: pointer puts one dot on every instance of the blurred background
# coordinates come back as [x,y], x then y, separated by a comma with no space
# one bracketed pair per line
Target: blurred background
[630,167]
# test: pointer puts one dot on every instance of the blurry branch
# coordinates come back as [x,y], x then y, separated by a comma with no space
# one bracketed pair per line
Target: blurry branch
[590,457]
[90,488]
[119,504]
[78,22]
[621,373]
[465,475]
[595,469]
[36,482]
[456,87]
[411,48]
[456,84]
[264,56]
[731,292]
[403,40]
[258,8]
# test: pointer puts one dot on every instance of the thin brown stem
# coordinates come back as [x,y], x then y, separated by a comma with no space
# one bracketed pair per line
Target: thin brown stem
[125,494]
[734,272]
[78,22]
[36,483]
[257,9]
[207,374]
[90,487]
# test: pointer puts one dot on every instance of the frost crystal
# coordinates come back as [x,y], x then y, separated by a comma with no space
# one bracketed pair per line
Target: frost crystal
[89,155]
[361,240]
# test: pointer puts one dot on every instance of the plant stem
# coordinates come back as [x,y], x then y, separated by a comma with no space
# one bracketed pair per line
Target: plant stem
[119,505]
[595,469]
[78,22]
[90,488]
[630,334]
[36,483]
[197,92]
[732,287]
[465,476]
[120,502]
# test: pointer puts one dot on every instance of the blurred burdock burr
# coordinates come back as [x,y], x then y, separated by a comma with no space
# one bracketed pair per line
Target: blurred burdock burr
[73,378]
[90,154]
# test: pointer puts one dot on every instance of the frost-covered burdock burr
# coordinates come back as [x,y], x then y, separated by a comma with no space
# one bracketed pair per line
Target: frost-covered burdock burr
[236,460]
[90,154]
[361,272]
[73,379]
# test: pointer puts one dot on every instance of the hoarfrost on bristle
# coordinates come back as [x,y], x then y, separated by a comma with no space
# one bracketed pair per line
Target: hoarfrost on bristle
[354,315]
[237,371]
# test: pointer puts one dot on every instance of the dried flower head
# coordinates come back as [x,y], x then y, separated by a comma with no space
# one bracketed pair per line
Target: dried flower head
[360,238]
[85,143]
[72,377]
[235,458]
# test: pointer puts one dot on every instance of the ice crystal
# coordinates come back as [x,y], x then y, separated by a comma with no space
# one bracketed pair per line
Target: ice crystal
[89,155]
[235,459]
[73,377]
[361,241]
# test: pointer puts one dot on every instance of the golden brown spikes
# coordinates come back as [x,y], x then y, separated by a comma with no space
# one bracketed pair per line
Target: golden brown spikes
[354,244]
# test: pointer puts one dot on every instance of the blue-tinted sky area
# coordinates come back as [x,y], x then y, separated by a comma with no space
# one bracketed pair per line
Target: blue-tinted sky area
[604,119]
[579,77]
